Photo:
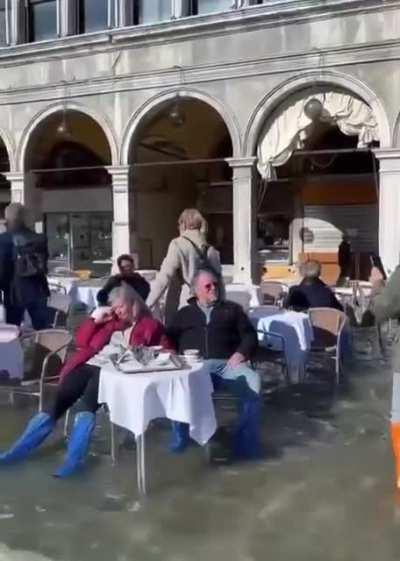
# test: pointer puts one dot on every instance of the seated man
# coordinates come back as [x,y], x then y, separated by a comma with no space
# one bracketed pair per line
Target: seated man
[127,275]
[312,292]
[226,340]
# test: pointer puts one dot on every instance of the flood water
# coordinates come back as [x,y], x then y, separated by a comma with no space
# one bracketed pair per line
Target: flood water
[325,490]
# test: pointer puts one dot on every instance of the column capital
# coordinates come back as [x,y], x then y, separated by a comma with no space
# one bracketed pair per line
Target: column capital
[389,159]
[120,178]
[242,162]
[14,176]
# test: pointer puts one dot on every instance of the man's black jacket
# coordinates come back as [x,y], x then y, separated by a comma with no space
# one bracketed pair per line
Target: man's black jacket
[228,331]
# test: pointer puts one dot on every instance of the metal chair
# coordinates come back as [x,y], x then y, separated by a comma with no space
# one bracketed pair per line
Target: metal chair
[60,304]
[273,292]
[271,350]
[328,325]
[47,349]
[240,297]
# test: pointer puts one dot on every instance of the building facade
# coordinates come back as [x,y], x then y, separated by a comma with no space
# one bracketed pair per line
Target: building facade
[279,119]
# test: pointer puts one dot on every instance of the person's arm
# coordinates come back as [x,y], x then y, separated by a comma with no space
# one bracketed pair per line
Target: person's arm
[385,299]
[6,267]
[89,328]
[169,267]
[335,302]
[102,295]
[288,300]
[173,331]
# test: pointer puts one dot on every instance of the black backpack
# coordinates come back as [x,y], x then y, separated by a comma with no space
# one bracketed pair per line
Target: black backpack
[30,254]
[203,262]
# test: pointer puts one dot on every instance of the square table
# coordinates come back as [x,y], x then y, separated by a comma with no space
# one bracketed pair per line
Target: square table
[135,399]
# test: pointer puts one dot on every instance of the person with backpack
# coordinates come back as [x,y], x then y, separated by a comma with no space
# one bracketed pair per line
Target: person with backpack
[23,270]
[186,255]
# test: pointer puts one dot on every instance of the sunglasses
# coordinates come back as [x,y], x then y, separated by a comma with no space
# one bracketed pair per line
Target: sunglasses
[211,285]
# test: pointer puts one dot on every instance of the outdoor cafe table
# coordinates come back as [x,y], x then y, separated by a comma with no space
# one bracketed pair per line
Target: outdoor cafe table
[11,352]
[296,330]
[135,399]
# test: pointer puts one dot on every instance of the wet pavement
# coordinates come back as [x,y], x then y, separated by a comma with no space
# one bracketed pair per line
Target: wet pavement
[325,490]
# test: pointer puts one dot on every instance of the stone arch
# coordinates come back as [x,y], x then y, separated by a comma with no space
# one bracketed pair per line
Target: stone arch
[396,133]
[350,84]
[153,104]
[10,148]
[68,106]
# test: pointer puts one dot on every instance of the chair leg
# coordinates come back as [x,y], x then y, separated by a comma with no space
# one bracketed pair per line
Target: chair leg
[337,367]
[66,422]
[113,443]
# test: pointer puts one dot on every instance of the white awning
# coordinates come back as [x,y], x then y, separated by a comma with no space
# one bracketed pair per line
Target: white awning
[291,127]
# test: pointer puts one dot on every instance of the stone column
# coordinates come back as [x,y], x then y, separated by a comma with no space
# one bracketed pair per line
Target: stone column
[17,22]
[122,206]
[17,186]
[389,207]
[23,190]
[244,219]
[68,17]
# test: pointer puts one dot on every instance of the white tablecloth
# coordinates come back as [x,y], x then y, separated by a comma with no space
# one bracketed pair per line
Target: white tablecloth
[297,331]
[83,292]
[11,353]
[180,395]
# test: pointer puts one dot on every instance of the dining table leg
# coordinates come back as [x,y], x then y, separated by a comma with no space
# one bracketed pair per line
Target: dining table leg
[141,464]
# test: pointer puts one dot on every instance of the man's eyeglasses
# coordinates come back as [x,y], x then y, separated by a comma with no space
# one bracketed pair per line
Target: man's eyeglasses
[211,285]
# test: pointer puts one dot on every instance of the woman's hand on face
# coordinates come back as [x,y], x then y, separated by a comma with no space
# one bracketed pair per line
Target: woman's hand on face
[102,315]
[376,276]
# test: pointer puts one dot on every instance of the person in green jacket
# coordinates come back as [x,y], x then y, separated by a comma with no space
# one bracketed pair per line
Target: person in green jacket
[385,304]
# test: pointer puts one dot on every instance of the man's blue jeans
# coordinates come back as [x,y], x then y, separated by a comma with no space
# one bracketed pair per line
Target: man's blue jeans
[244,384]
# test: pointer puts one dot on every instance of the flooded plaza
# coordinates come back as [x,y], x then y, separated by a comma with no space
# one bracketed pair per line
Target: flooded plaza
[325,489]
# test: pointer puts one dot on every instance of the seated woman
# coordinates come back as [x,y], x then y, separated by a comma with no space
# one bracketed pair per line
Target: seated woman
[128,319]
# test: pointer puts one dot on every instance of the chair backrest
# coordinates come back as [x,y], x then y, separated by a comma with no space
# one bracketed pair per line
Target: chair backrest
[241,297]
[54,340]
[38,345]
[57,288]
[272,291]
[327,325]
[59,301]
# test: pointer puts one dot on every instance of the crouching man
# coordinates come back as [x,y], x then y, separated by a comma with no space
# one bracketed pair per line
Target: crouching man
[226,340]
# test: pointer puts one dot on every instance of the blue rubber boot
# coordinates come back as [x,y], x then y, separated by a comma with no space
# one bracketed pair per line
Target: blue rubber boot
[247,440]
[179,438]
[38,429]
[78,445]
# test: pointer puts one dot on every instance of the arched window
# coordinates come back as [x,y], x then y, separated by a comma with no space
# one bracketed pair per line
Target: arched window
[41,19]
[95,15]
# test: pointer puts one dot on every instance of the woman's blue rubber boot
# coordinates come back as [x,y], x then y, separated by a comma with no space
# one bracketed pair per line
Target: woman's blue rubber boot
[78,445]
[38,429]
[180,437]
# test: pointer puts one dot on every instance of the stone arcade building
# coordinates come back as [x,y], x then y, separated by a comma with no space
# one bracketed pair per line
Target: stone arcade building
[279,119]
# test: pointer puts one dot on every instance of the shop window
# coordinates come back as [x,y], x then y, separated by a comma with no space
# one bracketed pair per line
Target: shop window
[152,11]
[41,19]
[208,6]
[95,15]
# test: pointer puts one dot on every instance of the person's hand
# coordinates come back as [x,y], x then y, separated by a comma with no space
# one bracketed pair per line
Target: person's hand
[236,360]
[376,276]
[102,315]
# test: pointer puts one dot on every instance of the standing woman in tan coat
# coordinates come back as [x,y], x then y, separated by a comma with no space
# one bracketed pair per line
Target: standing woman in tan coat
[183,258]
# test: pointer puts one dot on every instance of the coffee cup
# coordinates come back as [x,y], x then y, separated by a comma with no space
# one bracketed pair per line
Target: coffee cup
[192,353]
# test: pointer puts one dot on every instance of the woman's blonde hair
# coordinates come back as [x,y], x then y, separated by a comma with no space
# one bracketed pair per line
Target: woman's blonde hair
[192,219]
